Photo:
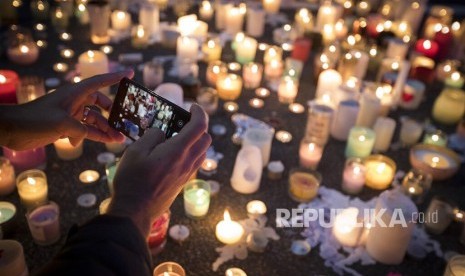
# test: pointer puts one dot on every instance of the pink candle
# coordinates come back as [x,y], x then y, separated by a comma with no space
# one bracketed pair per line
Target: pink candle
[427,48]
[157,236]
[301,49]
[353,177]
[27,159]
[44,224]
[8,82]
[310,154]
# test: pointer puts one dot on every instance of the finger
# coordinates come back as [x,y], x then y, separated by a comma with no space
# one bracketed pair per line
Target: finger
[200,147]
[99,99]
[196,165]
[194,129]
[90,85]
[97,120]
[74,130]
[151,138]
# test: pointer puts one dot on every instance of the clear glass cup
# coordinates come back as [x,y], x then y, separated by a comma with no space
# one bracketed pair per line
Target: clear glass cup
[304,184]
[455,266]
[410,132]
[416,184]
[196,198]
[439,215]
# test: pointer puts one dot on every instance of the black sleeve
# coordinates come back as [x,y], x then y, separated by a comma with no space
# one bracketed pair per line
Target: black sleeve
[107,245]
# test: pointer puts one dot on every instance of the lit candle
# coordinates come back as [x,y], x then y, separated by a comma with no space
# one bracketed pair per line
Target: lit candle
[296,108]
[370,107]
[247,170]
[156,240]
[209,166]
[66,151]
[455,80]
[60,19]
[229,86]
[44,224]
[149,17]
[423,69]
[416,184]
[437,138]
[310,154]
[271,6]
[262,92]
[304,20]
[93,63]
[384,131]
[427,48]
[360,143]
[449,107]
[120,20]
[140,37]
[186,48]
[205,10]
[348,229]
[344,119]
[256,208]
[246,50]
[60,67]
[211,50]
[234,271]
[287,90]
[7,219]
[24,53]
[89,176]
[327,15]
[234,20]
[274,69]
[196,198]
[380,171]
[255,22]
[252,75]
[256,103]
[214,70]
[231,107]
[99,15]
[319,122]
[283,136]
[187,24]
[32,188]
[169,269]
[229,231]
[301,49]
[27,159]
[7,177]
[8,82]
[410,131]
[353,177]
[271,53]
[303,184]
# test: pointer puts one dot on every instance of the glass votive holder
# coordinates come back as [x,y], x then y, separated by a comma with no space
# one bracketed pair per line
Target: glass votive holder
[22,49]
[416,184]
[60,19]
[44,223]
[410,132]
[455,266]
[304,184]
[7,177]
[310,153]
[99,14]
[139,37]
[449,106]
[435,137]
[196,198]
[353,176]
[360,142]
[287,90]
[229,87]
[439,214]
[214,70]
[157,236]
[208,100]
[252,74]
[32,188]
[110,171]
[380,171]
[29,89]
[169,268]
[153,74]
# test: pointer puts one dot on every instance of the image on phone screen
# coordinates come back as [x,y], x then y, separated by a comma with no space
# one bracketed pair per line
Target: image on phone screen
[136,109]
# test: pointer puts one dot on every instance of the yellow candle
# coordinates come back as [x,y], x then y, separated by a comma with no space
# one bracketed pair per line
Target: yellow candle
[436,161]
[206,10]
[211,50]
[32,188]
[303,186]
[229,86]
[66,151]
[380,172]
[229,231]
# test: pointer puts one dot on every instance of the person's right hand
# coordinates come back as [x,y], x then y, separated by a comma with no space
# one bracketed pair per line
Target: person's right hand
[152,171]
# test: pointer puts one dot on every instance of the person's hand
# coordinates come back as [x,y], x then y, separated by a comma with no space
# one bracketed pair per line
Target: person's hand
[152,171]
[60,114]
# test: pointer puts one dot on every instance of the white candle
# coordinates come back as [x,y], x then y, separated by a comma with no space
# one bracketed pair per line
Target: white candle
[220,14]
[256,208]
[229,231]
[187,24]
[353,177]
[66,151]
[44,224]
[247,170]
[384,130]
[388,245]
[205,10]
[209,165]
[328,81]
[92,63]
[369,110]
[287,90]
[32,188]
[271,6]
[261,138]
[172,92]
[344,119]
[89,176]
[347,229]
[255,22]
[120,20]
[187,48]
[234,20]
[149,17]
[327,15]
[310,154]
[23,54]
[196,198]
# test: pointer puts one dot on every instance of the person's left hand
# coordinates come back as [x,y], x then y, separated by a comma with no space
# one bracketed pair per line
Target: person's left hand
[63,113]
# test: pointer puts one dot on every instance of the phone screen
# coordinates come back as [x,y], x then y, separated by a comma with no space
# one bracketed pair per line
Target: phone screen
[136,109]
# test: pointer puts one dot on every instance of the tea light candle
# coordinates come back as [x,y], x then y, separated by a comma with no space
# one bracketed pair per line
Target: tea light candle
[437,138]
[103,207]
[92,63]
[256,208]
[211,50]
[287,90]
[380,171]
[140,37]
[24,53]
[120,20]
[455,80]
[214,70]
[7,177]
[262,92]
[65,36]
[196,198]
[449,107]
[169,269]
[384,131]
[303,184]
[66,151]
[283,136]
[455,266]
[107,49]
[252,75]
[353,177]
[347,229]
[440,162]
[271,6]
[44,224]
[89,176]
[274,69]
[60,19]
[205,10]
[8,82]
[32,188]
[328,81]
[427,48]
[67,53]
[246,50]
[360,143]
[209,166]
[296,108]
[310,154]
[186,48]
[229,86]
[235,272]
[229,231]
[179,232]
[256,103]
[231,107]
[60,67]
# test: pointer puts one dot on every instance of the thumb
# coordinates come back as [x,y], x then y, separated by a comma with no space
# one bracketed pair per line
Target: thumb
[75,131]
[151,138]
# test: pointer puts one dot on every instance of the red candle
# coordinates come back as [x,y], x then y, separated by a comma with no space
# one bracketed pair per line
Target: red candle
[8,82]
[423,69]
[445,40]
[157,236]
[301,49]
[427,47]
[373,25]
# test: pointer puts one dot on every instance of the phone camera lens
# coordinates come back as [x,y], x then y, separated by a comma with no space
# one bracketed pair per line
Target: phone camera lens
[180,123]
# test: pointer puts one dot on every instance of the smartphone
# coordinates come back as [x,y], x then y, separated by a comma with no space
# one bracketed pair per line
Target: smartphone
[137,109]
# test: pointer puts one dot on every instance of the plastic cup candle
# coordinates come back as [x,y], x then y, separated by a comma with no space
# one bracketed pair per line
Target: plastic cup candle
[44,224]
[252,75]
[247,170]
[303,184]
[261,138]
[229,86]
[380,171]
[229,231]
[347,229]
[211,50]
[427,48]
[416,184]
[449,107]
[256,208]
[255,21]
[246,50]
[353,177]
[283,136]
[437,138]
[89,176]
[360,143]
[169,269]
[120,20]
[66,151]
[205,10]
[32,188]
[140,37]
[384,130]
[234,271]
[455,80]
[196,198]
[310,154]
[7,177]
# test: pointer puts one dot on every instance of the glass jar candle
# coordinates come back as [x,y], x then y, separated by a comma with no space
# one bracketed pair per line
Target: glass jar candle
[196,198]
[449,107]
[252,75]
[380,171]
[157,236]
[208,100]
[360,142]
[304,184]
[214,70]
[32,188]
[229,86]
[416,184]
[310,154]
[353,176]
[435,137]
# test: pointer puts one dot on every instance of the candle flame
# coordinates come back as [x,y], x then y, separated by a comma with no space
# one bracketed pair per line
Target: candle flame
[226,216]
[311,147]
[287,27]
[411,190]
[363,5]
[361,138]
[90,54]
[339,25]
[351,40]
[435,161]
[24,49]
[59,13]
[2,79]
[435,137]
[348,4]
[81,7]
[455,76]
[456,26]
[332,48]
[357,170]
[211,44]
[121,15]
[427,44]
[303,12]
[140,31]
[31,181]
[437,27]
[395,65]
[166,274]
[415,5]
[381,167]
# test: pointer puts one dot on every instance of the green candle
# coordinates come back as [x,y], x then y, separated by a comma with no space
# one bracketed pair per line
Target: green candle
[7,211]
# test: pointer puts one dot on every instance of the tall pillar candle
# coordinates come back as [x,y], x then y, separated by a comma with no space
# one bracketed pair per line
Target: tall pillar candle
[234,20]
[344,119]
[319,122]
[93,63]
[261,138]
[32,188]
[247,170]
[99,14]
[8,83]
[255,22]
[149,17]
[384,129]
[328,81]
[187,48]
[388,245]
[360,142]
[370,107]
[211,50]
